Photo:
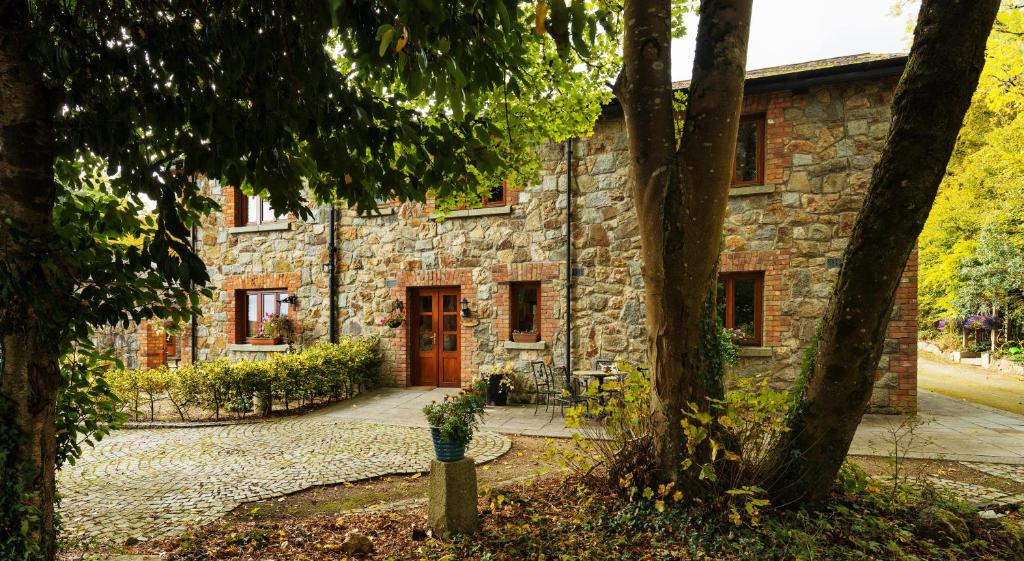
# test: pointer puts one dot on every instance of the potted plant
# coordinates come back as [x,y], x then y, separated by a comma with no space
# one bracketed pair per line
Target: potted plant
[274,329]
[453,421]
[500,381]
[394,319]
[525,336]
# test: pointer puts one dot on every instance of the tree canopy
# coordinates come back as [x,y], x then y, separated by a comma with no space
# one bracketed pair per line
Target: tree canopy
[109,106]
[971,246]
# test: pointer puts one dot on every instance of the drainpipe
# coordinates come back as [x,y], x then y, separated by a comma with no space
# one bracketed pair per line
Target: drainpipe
[193,337]
[332,288]
[568,258]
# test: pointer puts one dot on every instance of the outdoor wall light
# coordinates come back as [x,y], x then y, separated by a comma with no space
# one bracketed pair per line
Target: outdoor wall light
[291,299]
[466,312]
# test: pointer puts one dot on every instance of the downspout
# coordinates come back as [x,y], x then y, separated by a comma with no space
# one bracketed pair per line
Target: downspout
[568,257]
[193,337]
[332,289]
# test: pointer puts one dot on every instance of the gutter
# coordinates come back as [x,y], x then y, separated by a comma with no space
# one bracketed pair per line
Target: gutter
[568,258]
[332,289]
[193,336]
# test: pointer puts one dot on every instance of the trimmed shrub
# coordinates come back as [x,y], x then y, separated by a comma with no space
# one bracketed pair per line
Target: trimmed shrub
[324,372]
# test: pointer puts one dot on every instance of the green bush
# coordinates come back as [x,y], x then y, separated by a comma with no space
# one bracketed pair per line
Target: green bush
[323,372]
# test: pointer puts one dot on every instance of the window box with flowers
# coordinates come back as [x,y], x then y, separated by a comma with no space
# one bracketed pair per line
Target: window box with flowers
[273,330]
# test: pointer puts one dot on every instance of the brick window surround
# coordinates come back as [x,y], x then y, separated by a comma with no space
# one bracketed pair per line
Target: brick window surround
[727,303]
[774,326]
[235,285]
[542,274]
[242,306]
[153,348]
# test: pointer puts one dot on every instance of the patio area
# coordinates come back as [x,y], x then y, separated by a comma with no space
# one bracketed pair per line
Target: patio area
[404,407]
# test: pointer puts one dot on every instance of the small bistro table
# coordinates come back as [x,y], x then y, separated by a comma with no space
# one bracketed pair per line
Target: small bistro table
[598,375]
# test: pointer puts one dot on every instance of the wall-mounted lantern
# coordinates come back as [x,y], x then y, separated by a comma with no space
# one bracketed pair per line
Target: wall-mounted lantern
[466,312]
[290,299]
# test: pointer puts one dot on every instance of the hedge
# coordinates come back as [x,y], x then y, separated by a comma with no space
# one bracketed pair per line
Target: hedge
[324,372]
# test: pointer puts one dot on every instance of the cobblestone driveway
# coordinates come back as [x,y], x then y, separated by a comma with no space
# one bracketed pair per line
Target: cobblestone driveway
[149,483]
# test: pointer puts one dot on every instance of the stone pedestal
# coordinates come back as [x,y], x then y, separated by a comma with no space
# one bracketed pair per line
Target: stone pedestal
[452,508]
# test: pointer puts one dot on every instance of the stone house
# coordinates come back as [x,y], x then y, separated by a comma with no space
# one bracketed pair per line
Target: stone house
[548,272]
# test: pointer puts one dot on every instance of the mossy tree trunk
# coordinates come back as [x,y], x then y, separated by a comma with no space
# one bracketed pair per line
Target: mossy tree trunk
[30,378]
[928,109]
[680,191]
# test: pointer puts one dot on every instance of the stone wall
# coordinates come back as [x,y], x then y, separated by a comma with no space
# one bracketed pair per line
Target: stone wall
[820,147]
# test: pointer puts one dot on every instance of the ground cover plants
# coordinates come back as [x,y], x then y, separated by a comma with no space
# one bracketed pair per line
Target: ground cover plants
[564,519]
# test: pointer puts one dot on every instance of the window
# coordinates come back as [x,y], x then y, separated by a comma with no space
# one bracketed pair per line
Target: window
[497,196]
[252,210]
[740,297]
[171,349]
[748,165]
[254,305]
[525,312]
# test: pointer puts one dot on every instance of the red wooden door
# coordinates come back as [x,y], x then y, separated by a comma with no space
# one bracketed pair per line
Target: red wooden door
[451,339]
[436,346]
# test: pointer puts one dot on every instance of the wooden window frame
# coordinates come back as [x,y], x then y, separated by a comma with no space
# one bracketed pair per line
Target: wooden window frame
[513,290]
[242,307]
[503,201]
[759,151]
[243,216]
[172,347]
[728,279]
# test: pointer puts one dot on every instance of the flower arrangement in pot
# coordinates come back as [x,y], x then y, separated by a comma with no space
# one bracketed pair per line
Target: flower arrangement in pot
[273,330]
[453,421]
[394,319]
[500,382]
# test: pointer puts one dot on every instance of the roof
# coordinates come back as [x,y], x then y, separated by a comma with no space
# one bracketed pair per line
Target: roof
[826,70]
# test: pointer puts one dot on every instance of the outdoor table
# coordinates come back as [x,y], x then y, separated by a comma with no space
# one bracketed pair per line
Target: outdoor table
[598,375]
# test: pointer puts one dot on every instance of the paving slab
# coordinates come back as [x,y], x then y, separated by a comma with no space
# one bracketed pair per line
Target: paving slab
[950,429]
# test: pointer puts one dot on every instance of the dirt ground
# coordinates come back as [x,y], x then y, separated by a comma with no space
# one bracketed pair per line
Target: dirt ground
[1000,390]
[528,458]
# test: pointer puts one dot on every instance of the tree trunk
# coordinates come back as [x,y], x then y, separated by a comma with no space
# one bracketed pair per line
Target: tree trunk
[680,194]
[30,377]
[928,108]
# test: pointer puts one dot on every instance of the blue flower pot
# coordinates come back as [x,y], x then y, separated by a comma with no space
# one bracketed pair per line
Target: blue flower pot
[445,450]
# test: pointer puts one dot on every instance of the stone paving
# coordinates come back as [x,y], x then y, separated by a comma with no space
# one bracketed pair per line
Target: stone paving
[148,483]
[979,496]
[145,484]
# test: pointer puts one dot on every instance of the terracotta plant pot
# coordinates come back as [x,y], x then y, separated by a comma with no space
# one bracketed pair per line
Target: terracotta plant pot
[531,337]
[264,340]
